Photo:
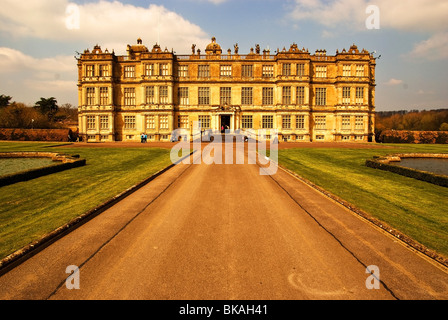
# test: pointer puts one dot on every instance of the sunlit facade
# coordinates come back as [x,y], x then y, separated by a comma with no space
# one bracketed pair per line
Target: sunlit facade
[303,96]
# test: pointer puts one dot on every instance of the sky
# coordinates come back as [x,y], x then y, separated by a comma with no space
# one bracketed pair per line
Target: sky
[410,38]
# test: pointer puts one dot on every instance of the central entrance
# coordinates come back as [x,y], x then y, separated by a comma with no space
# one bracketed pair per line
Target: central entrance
[225,123]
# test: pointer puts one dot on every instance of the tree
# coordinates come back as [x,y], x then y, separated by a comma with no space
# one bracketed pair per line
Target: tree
[444,127]
[47,107]
[18,115]
[4,100]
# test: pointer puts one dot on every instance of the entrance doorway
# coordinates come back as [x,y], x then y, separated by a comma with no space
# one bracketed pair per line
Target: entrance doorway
[225,123]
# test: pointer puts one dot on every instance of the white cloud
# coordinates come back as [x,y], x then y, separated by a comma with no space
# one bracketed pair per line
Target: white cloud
[26,78]
[393,82]
[435,48]
[423,92]
[410,15]
[111,24]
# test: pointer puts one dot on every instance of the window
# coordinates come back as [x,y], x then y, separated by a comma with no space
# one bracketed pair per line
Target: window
[104,122]
[149,69]
[129,71]
[268,71]
[345,122]
[226,71]
[321,96]
[182,121]
[129,122]
[246,122]
[149,95]
[246,71]
[204,122]
[321,71]
[300,122]
[150,122]
[90,70]
[163,94]
[286,95]
[129,96]
[300,99]
[286,69]
[267,96]
[286,122]
[346,92]
[203,71]
[300,69]
[104,96]
[320,122]
[359,122]
[347,70]
[320,137]
[91,123]
[267,122]
[183,96]
[204,95]
[182,71]
[246,96]
[360,70]
[359,95]
[90,95]
[163,122]
[163,69]
[104,70]
[225,95]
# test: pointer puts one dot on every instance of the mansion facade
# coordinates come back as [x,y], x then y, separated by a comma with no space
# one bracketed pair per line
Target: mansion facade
[303,96]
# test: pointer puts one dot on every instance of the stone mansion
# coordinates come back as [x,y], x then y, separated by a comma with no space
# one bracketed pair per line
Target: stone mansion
[304,96]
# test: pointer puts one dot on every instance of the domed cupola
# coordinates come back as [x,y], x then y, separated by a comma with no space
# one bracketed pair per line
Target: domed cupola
[213,48]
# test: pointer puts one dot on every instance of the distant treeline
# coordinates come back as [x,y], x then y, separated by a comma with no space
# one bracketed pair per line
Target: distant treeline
[45,114]
[412,120]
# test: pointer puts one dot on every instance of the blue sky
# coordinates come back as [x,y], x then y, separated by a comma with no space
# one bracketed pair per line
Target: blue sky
[37,47]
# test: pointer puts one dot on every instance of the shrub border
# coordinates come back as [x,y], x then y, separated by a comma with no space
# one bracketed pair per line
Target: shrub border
[384,163]
[67,162]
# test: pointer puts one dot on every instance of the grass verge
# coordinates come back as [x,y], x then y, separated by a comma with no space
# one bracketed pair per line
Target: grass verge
[31,209]
[416,208]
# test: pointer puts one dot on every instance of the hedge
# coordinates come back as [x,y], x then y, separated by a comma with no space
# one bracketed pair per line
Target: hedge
[403,136]
[37,134]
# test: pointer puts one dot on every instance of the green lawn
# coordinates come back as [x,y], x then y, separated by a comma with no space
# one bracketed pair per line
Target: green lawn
[417,209]
[33,208]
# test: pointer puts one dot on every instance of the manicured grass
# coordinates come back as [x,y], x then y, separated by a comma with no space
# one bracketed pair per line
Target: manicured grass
[33,208]
[14,165]
[417,209]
